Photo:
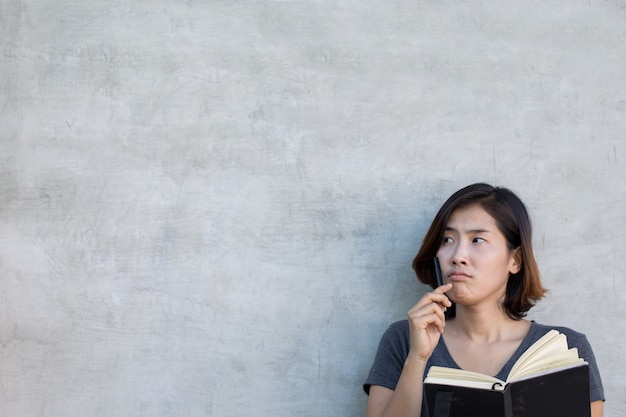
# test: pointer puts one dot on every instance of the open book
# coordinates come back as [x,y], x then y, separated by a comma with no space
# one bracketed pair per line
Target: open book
[546,354]
[548,379]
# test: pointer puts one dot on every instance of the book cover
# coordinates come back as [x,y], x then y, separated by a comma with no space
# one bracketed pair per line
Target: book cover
[548,380]
[557,393]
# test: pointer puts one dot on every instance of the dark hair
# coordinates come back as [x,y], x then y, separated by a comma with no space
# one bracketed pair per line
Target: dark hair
[524,288]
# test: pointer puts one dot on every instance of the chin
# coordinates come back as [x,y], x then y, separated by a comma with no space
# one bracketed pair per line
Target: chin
[458,298]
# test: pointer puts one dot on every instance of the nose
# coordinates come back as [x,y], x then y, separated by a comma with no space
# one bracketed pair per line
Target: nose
[459,256]
[459,261]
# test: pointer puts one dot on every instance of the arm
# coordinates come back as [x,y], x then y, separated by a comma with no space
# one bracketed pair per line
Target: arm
[597,409]
[406,400]
[426,323]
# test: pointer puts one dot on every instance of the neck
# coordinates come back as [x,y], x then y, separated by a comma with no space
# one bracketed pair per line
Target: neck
[486,324]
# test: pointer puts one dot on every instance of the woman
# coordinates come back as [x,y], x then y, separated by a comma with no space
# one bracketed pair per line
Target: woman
[482,238]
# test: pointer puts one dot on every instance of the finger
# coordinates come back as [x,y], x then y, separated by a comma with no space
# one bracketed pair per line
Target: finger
[433,319]
[431,307]
[443,288]
[432,297]
[423,315]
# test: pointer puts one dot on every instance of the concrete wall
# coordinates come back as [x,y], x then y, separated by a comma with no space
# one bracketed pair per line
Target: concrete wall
[209,208]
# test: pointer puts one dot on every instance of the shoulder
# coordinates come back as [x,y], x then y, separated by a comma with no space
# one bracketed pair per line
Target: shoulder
[574,337]
[400,326]
[397,333]
[394,344]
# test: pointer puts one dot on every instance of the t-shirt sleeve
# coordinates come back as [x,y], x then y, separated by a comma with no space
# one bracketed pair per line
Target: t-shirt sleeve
[389,360]
[596,390]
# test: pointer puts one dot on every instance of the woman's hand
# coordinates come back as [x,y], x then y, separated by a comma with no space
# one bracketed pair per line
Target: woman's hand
[426,322]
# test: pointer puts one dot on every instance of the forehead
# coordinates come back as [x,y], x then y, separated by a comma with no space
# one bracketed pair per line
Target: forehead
[472,217]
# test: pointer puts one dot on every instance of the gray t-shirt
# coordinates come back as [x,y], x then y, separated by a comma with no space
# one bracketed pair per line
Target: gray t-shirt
[394,349]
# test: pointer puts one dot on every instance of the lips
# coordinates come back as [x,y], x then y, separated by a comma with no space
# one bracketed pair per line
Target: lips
[458,276]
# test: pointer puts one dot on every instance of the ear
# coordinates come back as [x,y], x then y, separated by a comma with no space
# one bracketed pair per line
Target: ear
[515,262]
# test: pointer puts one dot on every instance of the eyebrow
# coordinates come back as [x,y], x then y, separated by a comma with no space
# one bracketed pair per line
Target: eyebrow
[471,231]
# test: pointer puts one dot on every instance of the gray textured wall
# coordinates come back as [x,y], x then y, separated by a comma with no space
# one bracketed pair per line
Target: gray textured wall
[209,208]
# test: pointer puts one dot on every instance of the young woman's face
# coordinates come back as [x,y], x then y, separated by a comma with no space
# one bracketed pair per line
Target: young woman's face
[474,256]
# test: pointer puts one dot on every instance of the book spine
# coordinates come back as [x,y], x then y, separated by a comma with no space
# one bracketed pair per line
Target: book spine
[508,403]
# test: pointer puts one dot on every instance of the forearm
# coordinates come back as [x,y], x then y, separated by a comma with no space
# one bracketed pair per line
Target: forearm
[597,409]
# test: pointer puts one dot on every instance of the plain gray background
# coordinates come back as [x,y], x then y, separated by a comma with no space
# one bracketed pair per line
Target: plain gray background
[210,208]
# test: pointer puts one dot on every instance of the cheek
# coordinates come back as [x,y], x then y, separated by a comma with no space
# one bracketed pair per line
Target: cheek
[442,254]
[501,266]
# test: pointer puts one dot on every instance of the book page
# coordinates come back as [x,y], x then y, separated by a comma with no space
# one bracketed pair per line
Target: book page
[551,344]
[460,377]
[497,385]
[556,361]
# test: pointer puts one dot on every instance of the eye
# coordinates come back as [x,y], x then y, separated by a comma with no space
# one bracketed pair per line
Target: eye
[478,240]
[447,240]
